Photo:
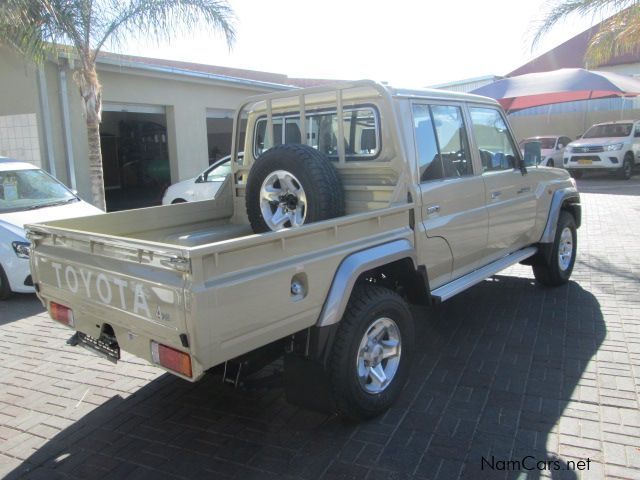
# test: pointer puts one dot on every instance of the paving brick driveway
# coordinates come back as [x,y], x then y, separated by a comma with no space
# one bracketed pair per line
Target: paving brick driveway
[507,369]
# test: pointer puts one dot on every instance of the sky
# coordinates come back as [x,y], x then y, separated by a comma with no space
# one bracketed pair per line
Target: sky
[406,43]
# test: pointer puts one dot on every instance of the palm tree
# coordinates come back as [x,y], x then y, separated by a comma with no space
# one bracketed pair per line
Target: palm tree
[618,34]
[38,29]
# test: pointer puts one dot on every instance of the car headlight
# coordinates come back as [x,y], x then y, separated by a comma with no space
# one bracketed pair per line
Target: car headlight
[613,147]
[22,249]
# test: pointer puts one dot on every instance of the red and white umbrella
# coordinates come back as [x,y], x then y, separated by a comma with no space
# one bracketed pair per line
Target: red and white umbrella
[558,86]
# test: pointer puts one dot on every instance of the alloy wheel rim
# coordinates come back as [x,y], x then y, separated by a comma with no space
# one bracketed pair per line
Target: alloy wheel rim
[283,201]
[379,355]
[565,249]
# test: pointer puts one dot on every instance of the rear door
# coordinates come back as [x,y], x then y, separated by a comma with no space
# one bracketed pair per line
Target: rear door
[510,196]
[453,231]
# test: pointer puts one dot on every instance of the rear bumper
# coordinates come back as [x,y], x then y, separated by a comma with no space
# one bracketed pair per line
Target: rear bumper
[136,341]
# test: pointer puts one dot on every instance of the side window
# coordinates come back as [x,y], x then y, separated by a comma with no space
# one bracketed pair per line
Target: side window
[493,139]
[565,141]
[636,132]
[441,138]
[428,156]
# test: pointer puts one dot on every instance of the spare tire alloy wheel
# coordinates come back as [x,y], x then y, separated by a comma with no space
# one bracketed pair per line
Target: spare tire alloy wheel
[283,201]
[292,185]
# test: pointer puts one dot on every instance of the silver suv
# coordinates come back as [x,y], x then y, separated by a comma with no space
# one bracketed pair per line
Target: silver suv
[612,147]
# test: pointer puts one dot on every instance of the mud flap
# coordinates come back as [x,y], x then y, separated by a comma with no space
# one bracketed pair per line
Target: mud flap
[307,384]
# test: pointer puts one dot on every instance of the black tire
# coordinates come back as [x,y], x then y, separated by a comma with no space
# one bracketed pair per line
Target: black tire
[178,200]
[5,291]
[575,174]
[367,305]
[317,176]
[550,273]
[550,163]
[626,170]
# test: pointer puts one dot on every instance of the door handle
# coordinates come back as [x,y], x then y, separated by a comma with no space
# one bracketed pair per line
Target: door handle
[524,190]
[495,194]
[433,209]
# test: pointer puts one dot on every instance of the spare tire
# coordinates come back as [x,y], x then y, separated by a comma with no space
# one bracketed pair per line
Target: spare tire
[291,185]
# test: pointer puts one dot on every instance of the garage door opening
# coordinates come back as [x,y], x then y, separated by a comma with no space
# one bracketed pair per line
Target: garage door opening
[135,157]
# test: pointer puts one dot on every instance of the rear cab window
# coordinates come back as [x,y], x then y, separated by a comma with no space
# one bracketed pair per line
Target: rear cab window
[361,127]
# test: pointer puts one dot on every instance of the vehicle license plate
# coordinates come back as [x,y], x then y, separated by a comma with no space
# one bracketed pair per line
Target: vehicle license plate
[584,161]
[99,347]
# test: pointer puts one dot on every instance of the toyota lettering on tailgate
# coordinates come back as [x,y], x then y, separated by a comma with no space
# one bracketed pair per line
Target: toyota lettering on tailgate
[109,290]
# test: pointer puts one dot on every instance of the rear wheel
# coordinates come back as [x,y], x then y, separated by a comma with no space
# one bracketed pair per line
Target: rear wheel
[550,163]
[557,269]
[372,353]
[178,200]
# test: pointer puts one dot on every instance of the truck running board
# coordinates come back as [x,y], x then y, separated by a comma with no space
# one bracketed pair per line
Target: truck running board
[450,289]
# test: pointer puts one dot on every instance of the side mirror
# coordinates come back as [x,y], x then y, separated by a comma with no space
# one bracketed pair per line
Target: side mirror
[560,146]
[200,179]
[532,154]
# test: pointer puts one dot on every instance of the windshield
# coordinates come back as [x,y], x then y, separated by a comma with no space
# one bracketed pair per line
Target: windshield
[30,189]
[546,143]
[609,130]
[219,173]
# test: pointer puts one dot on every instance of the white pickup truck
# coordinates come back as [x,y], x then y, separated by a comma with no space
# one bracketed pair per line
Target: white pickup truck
[612,147]
[351,201]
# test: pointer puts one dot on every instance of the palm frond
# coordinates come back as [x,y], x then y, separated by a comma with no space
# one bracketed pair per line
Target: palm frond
[164,19]
[558,10]
[618,35]
[36,28]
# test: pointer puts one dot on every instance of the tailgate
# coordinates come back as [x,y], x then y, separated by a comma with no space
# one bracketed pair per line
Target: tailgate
[136,289]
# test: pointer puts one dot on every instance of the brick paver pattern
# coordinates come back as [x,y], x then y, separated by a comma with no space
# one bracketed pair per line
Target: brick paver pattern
[506,370]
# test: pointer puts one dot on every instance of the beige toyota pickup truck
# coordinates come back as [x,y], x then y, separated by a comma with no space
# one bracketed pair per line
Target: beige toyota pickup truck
[350,202]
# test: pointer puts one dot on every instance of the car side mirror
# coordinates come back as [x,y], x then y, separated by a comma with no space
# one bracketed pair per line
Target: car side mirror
[200,179]
[532,154]
[560,146]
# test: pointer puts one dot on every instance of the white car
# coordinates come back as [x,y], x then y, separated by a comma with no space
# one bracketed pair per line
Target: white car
[612,147]
[202,187]
[552,149]
[29,195]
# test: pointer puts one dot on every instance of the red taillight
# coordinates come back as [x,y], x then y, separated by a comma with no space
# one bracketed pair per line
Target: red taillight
[171,358]
[62,314]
